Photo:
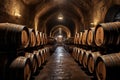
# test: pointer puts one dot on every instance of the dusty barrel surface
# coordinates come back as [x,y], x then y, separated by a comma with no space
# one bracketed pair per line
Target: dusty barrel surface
[32,34]
[108,67]
[107,34]
[20,69]
[90,37]
[92,57]
[85,58]
[84,37]
[13,36]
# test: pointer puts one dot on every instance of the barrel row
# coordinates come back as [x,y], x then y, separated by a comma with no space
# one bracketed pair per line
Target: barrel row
[24,66]
[86,58]
[101,66]
[104,65]
[20,51]
[14,36]
[103,35]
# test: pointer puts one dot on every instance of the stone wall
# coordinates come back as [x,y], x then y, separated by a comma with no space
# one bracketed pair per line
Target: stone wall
[14,11]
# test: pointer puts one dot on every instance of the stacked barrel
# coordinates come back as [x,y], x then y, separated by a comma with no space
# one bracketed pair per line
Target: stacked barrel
[98,51]
[21,54]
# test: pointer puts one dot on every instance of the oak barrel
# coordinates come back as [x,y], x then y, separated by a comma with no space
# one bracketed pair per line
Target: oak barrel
[81,55]
[33,62]
[84,37]
[41,38]
[92,57]
[107,34]
[77,54]
[32,34]
[37,38]
[90,37]
[20,69]
[85,58]
[39,60]
[42,56]
[108,67]
[13,36]
[80,38]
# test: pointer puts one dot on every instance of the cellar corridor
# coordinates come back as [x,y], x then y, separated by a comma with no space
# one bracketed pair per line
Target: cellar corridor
[60,39]
[61,66]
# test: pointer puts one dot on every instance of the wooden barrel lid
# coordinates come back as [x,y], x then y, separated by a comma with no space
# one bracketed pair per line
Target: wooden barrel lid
[99,36]
[24,39]
[84,36]
[90,37]
[80,37]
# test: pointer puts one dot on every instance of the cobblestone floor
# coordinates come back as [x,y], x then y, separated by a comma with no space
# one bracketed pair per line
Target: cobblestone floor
[61,66]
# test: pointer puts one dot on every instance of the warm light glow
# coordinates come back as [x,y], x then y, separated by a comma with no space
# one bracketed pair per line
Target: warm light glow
[60,17]
[94,23]
[17,14]
[15,10]
[60,36]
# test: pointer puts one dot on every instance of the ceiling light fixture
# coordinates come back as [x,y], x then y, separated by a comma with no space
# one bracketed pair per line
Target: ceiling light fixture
[60,17]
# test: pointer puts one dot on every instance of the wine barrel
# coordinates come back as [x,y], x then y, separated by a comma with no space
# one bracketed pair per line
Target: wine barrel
[107,34]
[20,69]
[85,58]
[81,55]
[108,67]
[32,34]
[74,53]
[90,37]
[84,37]
[92,57]
[41,38]
[77,55]
[33,61]
[80,38]
[39,60]
[75,38]
[46,40]
[37,38]
[47,52]
[42,56]
[13,36]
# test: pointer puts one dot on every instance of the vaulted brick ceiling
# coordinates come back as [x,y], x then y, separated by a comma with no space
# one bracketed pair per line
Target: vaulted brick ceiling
[74,12]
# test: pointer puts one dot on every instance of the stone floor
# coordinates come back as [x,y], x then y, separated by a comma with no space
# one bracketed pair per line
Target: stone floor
[61,66]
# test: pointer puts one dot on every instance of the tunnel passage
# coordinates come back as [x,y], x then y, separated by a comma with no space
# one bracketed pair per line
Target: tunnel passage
[31,29]
[61,66]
